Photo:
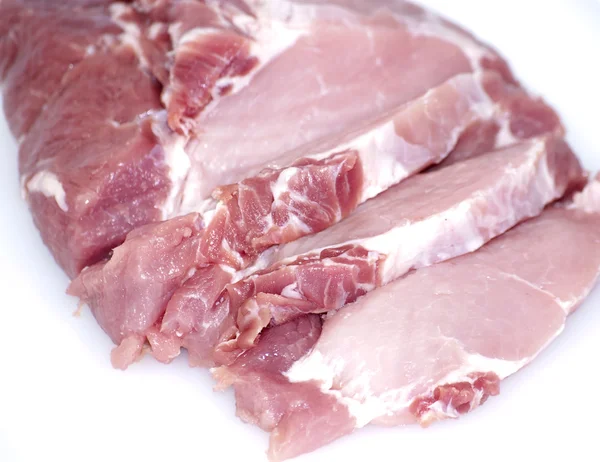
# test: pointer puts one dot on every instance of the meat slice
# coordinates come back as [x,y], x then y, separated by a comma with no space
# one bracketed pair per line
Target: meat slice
[427,219]
[265,396]
[433,345]
[96,155]
[316,191]
[211,63]
[97,166]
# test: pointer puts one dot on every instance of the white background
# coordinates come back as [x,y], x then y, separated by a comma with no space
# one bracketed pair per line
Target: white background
[60,398]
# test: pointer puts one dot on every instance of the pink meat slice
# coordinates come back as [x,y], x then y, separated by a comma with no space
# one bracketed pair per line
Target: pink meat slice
[211,63]
[279,206]
[332,98]
[427,219]
[433,345]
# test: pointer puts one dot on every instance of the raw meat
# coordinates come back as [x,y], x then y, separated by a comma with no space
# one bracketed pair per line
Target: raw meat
[429,218]
[360,253]
[93,146]
[278,206]
[340,58]
[431,346]
[91,176]
[196,168]
[83,203]
[64,34]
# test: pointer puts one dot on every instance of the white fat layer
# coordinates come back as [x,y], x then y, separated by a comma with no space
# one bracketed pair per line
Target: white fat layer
[291,291]
[505,135]
[199,33]
[48,184]
[281,185]
[179,165]
[485,108]
[155,30]
[266,259]
[131,32]
[365,406]
[378,151]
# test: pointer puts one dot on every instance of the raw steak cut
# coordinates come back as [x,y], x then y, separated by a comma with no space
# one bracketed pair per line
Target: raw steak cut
[342,61]
[493,193]
[427,219]
[431,346]
[93,153]
[132,113]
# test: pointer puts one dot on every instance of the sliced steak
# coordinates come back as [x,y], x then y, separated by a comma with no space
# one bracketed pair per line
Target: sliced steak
[433,345]
[427,219]
[493,193]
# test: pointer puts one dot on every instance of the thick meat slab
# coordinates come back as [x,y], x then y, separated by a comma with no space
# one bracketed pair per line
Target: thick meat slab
[95,151]
[433,345]
[427,219]
[96,168]
[211,71]
[40,43]
[340,58]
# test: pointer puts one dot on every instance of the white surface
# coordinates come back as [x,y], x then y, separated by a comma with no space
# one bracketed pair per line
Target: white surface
[59,397]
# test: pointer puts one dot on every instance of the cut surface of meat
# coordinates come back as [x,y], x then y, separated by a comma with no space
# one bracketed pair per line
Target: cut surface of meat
[90,179]
[323,51]
[39,45]
[317,191]
[427,219]
[171,247]
[202,65]
[347,208]
[94,150]
[433,345]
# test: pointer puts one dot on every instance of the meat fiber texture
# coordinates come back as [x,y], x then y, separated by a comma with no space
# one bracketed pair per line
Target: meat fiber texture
[428,218]
[82,106]
[431,346]
[133,113]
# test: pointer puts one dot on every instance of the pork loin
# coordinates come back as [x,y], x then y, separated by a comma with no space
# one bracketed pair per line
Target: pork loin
[433,345]
[474,201]
[125,112]
[427,219]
